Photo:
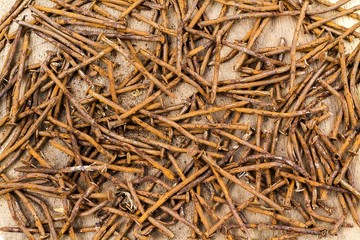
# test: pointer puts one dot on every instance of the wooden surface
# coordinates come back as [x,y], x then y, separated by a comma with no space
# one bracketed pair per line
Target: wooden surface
[279,27]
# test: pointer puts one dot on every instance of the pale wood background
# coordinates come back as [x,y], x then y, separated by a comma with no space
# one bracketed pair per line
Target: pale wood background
[279,27]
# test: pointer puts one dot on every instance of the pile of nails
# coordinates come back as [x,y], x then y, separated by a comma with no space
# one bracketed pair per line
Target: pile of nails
[131,128]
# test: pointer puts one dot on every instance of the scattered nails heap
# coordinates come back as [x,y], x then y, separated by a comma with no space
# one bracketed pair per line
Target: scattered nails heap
[143,155]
